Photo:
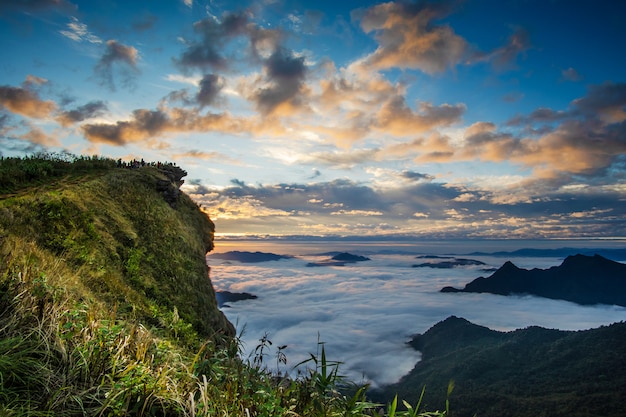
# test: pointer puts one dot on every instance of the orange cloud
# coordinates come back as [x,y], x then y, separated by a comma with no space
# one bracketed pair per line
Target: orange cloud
[396,118]
[149,124]
[25,102]
[408,38]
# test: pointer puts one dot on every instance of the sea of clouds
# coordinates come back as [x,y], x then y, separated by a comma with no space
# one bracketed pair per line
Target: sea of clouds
[364,313]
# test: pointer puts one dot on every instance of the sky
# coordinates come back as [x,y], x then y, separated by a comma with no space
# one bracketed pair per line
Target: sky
[431,119]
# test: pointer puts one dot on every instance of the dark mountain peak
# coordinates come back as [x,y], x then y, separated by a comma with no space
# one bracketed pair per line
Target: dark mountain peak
[449,334]
[580,278]
[508,266]
[595,260]
[454,321]
[348,257]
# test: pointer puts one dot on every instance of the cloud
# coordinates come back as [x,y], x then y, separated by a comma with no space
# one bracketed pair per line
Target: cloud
[396,118]
[210,87]
[121,57]
[408,37]
[143,125]
[205,156]
[25,101]
[215,34]
[505,57]
[396,203]
[37,136]
[340,160]
[365,312]
[606,102]
[285,74]
[147,124]
[86,111]
[416,176]
[206,53]
[570,74]
[540,115]
[434,147]
[78,32]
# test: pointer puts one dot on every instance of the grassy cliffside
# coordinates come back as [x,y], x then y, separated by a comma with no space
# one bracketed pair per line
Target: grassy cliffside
[106,305]
[125,245]
[107,309]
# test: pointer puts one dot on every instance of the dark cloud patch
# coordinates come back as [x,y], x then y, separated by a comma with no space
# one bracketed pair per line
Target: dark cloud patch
[179,96]
[211,50]
[316,173]
[540,115]
[117,58]
[416,176]
[86,111]
[144,124]
[286,74]
[607,100]
[210,87]
[506,56]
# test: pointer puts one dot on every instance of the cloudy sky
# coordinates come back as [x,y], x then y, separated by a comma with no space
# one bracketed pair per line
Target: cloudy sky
[477,118]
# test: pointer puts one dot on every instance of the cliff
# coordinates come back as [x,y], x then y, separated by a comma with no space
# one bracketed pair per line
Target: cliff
[580,278]
[138,242]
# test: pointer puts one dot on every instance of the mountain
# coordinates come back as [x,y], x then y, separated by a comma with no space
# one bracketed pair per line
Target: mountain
[348,257]
[340,259]
[580,278]
[447,264]
[523,373]
[225,297]
[614,254]
[249,257]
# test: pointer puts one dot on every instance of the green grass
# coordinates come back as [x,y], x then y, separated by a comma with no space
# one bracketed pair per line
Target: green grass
[107,309]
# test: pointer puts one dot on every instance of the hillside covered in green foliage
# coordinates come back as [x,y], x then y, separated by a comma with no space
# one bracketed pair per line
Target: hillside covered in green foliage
[107,308]
[526,372]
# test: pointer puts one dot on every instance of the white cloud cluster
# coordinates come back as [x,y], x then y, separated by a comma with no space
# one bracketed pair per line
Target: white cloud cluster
[365,312]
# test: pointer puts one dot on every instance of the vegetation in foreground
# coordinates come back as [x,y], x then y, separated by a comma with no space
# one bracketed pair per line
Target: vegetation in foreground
[106,308]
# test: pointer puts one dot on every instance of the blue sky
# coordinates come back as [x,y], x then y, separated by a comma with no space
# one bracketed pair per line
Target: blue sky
[447,119]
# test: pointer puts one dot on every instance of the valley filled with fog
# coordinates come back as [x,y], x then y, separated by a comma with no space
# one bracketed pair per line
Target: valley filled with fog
[365,312]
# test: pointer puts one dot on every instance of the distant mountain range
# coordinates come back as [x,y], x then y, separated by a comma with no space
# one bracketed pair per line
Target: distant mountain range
[580,278]
[614,254]
[249,257]
[526,372]
[447,262]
